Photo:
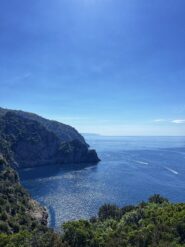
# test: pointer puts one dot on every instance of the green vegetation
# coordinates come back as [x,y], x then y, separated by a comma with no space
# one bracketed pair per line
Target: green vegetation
[15,204]
[18,226]
[35,238]
[156,223]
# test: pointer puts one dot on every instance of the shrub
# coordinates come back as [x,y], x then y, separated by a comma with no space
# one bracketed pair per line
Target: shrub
[158,199]
[108,211]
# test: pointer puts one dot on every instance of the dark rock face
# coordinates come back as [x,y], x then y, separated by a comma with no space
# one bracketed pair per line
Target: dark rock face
[77,152]
[29,143]
[64,132]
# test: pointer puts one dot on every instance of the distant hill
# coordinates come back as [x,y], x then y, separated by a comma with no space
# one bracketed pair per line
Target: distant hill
[86,135]
[28,140]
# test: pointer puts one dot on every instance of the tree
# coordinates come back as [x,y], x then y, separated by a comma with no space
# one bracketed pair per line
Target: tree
[108,211]
[78,234]
[158,199]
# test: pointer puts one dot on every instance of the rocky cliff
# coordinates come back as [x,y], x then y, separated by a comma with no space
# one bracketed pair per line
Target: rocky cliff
[29,140]
[64,132]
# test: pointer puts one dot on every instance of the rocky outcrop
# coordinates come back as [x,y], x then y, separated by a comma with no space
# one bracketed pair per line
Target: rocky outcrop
[29,143]
[38,212]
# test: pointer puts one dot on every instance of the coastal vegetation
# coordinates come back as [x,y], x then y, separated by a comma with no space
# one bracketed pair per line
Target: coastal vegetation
[154,223]
[23,222]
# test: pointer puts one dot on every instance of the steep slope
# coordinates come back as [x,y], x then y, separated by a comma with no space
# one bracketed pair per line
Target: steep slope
[18,211]
[26,143]
[23,221]
[64,132]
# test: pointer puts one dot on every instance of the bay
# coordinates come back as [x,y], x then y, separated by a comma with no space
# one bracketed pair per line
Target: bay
[131,169]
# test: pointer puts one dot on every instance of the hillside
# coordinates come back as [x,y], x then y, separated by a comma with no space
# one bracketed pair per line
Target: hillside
[18,211]
[26,142]
[62,131]
[23,221]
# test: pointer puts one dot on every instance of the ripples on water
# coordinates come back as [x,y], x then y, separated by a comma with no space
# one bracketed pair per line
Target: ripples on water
[132,168]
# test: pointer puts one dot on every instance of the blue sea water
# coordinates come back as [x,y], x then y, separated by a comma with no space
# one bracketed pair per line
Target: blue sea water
[131,169]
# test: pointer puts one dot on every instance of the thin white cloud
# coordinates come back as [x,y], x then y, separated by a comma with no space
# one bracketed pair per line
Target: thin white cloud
[174,121]
[178,121]
[160,120]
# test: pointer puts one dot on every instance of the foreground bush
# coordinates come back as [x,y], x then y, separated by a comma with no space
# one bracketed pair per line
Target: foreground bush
[32,239]
[156,223]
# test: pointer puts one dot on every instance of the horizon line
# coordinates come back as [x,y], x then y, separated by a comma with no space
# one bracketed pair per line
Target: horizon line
[97,134]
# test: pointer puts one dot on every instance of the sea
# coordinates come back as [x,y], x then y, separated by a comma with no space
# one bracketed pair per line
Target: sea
[131,170]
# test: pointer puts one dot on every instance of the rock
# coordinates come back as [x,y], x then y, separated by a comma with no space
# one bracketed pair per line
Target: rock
[38,212]
[64,132]
[29,143]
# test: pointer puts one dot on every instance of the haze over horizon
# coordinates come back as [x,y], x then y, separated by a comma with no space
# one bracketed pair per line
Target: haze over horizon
[102,66]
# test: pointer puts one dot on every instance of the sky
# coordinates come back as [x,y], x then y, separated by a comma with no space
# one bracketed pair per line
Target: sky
[112,67]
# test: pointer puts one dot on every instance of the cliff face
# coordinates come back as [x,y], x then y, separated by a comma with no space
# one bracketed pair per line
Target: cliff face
[30,143]
[64,132]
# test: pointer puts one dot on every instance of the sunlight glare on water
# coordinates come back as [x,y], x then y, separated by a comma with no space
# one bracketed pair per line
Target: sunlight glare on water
[132,168]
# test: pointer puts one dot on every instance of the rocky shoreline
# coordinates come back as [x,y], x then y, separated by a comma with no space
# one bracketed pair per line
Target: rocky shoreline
[38,212]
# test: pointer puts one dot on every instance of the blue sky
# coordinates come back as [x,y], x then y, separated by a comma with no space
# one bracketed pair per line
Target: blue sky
[114,67]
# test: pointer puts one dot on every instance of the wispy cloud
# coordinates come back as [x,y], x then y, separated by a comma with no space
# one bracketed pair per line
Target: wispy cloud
[160,120]
[174,121]
[178,121]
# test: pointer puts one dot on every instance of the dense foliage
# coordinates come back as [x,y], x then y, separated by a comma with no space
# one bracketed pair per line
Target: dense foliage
[18,227]
[156,223]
